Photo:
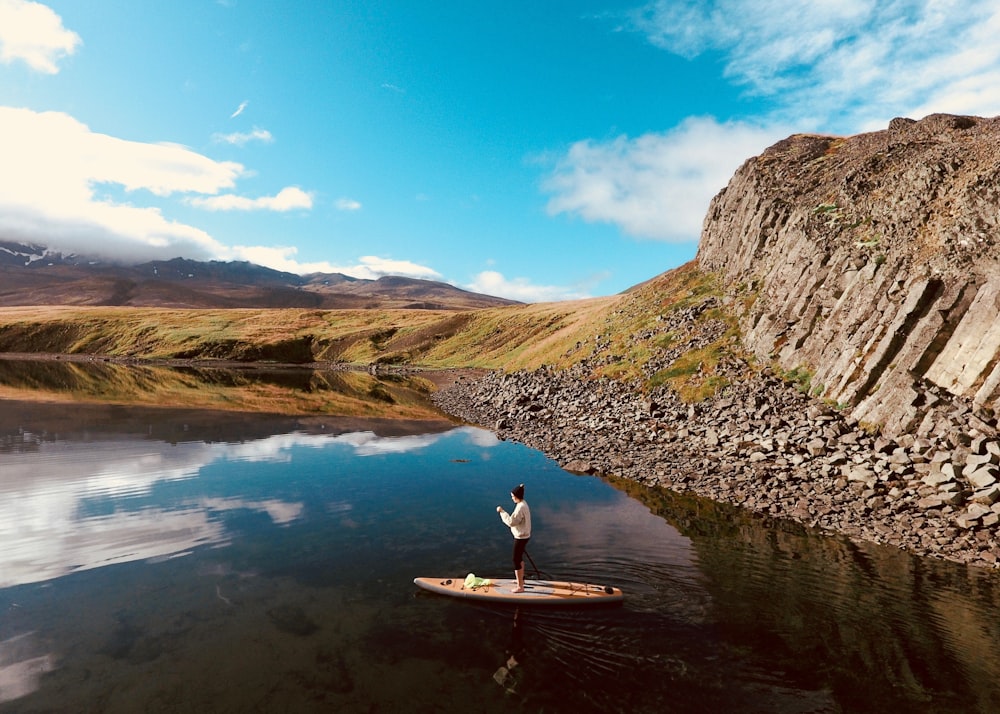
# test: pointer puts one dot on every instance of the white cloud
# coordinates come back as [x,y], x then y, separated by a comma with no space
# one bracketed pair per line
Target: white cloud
[367,267]
[33,33]
[374,267]
[348,204]
[287,199]
[240,109]
[243,138]
[656,185]
[54,166]
[491,282]
[849,64]
[279,258]
[841,66]
[51,193]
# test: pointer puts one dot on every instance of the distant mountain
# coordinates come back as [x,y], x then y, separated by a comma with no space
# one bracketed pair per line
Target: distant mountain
[34,275]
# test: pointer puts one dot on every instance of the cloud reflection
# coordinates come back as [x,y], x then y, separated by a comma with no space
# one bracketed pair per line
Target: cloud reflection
[46,530]
[369,444]
[280,512]
[277,448]
[20,668]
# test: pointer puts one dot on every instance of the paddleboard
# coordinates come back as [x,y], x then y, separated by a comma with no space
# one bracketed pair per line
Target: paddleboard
[536,592]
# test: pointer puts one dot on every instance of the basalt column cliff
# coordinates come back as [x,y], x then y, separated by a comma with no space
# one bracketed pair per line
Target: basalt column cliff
[872,262]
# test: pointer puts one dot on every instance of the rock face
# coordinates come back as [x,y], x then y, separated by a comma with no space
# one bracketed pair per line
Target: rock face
[872,263]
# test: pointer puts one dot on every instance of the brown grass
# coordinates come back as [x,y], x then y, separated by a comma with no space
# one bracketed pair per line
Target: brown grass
[516,337]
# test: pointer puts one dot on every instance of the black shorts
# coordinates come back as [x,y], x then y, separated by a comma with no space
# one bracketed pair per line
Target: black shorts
[519,545]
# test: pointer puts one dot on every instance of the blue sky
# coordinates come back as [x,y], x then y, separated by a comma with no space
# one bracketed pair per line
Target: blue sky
[534,150]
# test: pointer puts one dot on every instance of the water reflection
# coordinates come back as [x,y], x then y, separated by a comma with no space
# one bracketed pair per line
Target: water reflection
[180,560]
[271,389]
[847,617]
[72,500]
[21,667]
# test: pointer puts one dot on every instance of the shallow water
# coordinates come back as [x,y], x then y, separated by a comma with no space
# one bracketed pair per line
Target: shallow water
[172,561]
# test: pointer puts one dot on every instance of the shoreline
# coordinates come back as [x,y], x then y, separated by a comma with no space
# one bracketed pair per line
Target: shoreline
[761,445]
[442,378]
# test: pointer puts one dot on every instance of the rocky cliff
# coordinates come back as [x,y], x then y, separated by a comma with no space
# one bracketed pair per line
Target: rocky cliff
[871,262]
[866,268]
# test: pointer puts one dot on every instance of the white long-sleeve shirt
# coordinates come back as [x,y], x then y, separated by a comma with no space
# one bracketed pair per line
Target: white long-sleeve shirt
[519,521]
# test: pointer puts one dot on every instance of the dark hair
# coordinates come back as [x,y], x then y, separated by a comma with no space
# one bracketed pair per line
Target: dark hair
[518,491]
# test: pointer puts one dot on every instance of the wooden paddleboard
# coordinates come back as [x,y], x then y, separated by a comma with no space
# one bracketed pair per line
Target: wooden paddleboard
[536,592]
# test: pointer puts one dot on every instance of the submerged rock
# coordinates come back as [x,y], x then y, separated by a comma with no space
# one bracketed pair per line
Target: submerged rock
[292,619]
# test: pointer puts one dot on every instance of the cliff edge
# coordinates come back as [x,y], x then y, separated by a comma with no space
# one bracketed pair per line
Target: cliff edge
[871,262]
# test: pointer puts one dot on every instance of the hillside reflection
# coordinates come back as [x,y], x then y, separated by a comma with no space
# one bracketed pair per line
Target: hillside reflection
[927,626]
[274,390]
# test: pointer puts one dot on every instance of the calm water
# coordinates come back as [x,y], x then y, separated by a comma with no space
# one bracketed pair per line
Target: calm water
[172,561]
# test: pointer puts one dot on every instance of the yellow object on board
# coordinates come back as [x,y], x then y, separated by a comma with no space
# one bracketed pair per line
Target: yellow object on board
[472,582]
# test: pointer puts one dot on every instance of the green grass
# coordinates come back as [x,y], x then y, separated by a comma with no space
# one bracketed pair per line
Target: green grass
[800,377]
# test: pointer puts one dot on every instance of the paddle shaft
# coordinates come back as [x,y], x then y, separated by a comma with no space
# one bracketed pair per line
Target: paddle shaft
[531,560]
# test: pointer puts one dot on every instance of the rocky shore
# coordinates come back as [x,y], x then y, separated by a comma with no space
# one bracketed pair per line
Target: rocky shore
[763,445]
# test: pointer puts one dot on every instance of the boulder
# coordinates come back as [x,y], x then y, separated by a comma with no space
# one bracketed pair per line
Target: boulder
[966,521]
[816,447]
[937,479]
[987,496]
[977,510]
[929,502]
[951,498]
[974,461]
[982,477]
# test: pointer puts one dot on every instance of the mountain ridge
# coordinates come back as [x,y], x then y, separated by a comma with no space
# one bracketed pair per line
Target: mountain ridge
[31,274]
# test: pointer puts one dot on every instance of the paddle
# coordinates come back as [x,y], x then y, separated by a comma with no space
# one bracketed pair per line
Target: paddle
[538,573]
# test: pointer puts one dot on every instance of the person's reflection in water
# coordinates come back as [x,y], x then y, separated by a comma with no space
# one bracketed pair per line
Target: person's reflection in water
[506,676]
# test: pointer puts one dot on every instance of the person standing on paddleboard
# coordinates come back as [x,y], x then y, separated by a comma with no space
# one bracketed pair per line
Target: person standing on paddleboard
[519,523]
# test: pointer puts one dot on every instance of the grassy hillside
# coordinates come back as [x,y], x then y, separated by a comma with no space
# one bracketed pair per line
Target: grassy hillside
[617,336]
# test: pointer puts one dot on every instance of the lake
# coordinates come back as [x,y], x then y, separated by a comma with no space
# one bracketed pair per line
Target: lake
[173,560]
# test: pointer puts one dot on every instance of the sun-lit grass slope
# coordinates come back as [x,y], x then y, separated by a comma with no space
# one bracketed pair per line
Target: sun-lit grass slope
[673,329]
[249,335]
[518,337]
[510,337]
[646,332]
